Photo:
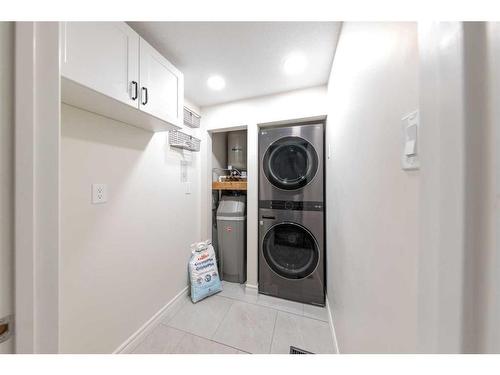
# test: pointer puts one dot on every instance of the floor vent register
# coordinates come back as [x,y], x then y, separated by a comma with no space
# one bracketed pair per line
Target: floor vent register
[294,350]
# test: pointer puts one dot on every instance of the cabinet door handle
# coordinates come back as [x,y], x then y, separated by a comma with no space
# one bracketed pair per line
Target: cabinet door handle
[144,96]
[135,94]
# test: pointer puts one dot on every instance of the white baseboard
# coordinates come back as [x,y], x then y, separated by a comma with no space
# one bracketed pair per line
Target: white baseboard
[131,343]
[332,327]
[251,286]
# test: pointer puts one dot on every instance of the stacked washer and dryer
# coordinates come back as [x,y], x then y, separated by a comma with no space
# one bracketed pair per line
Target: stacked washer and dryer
[291,213]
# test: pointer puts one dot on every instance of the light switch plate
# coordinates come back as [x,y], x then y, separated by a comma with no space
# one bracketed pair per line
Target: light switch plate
[409,141]
[187,186]
[99,193]
[184,171]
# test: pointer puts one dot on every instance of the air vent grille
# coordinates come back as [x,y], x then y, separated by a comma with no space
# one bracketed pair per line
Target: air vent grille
[294,350]
[191,119]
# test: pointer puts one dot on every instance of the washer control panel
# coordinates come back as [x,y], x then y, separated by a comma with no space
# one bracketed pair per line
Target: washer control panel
[291,205]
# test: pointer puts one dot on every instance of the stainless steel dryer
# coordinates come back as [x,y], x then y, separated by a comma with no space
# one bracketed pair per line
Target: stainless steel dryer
[292,251]
[291,163]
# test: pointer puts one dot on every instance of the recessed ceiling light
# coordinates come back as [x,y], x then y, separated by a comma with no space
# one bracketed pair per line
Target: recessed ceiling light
[295,63]
[216,82]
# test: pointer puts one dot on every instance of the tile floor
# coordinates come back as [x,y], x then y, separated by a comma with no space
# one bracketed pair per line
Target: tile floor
[240,321]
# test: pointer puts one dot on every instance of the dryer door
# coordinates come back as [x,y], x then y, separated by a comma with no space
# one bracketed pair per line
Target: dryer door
[290,250]
[290,163]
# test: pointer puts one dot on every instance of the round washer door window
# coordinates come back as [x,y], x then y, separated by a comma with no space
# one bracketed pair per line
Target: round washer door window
[290,163]
[290,250]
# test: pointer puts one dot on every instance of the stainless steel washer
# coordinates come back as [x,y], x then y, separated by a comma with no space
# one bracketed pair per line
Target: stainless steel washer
[291,251]
[291,160]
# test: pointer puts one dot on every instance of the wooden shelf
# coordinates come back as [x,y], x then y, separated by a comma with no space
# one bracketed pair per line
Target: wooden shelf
[229,185]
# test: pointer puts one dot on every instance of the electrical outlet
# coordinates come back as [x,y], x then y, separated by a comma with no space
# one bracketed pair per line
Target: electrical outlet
[99,193]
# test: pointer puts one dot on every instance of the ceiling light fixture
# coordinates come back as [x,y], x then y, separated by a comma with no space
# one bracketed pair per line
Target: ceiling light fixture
[295,63]
[216,82]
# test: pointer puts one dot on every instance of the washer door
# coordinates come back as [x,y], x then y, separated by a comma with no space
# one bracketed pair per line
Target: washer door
[290,250]
[290,163]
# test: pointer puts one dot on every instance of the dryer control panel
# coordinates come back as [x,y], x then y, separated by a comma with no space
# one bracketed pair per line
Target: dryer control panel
[291,205]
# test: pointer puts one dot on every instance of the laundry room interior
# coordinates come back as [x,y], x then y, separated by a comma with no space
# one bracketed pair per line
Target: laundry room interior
[243,188]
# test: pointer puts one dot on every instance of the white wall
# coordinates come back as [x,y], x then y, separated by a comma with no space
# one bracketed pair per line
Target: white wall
[440,299]
[459,301]
[372,204]
[122,261]
[6,175]
[491,318]
[480,320]
[249,114]
[190,105]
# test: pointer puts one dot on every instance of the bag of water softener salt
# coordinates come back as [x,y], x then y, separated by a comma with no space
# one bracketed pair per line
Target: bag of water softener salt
[203,272]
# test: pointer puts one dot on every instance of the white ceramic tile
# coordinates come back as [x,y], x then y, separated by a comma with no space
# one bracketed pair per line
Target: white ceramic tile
[305,333]
[281,304]
[238,292]
[175,307]
[247,327]
[191,344]
[316,312]
[202,318]
[162,340]
[232,290]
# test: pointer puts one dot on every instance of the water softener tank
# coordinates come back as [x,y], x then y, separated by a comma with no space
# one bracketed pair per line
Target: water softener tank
[231,233]
[237,150]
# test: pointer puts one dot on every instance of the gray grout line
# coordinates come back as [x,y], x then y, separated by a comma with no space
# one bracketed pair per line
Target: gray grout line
[251,303]
[182,338]
[274,330]
[229,346]
[150,333]
[218,326]
[204,338]
[278,309]
[220,323]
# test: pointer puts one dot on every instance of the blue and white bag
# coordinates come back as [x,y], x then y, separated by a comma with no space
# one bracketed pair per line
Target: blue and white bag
[203,272]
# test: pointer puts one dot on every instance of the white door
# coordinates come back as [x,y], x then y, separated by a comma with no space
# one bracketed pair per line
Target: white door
[103,56]
[162,86]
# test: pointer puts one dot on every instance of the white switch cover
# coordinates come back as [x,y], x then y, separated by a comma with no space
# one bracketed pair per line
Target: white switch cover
[187,187]
[409,149]
[184,171]
[99,193]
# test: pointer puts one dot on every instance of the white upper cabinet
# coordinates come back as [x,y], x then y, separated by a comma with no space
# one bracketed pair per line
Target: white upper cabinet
[103,56]
[162,86]
[106,64]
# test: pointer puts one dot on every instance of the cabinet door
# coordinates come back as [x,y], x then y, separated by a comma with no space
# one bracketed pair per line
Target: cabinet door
[103,56]
[162,86]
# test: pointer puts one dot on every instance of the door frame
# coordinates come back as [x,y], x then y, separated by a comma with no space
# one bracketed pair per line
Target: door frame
[37,143]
